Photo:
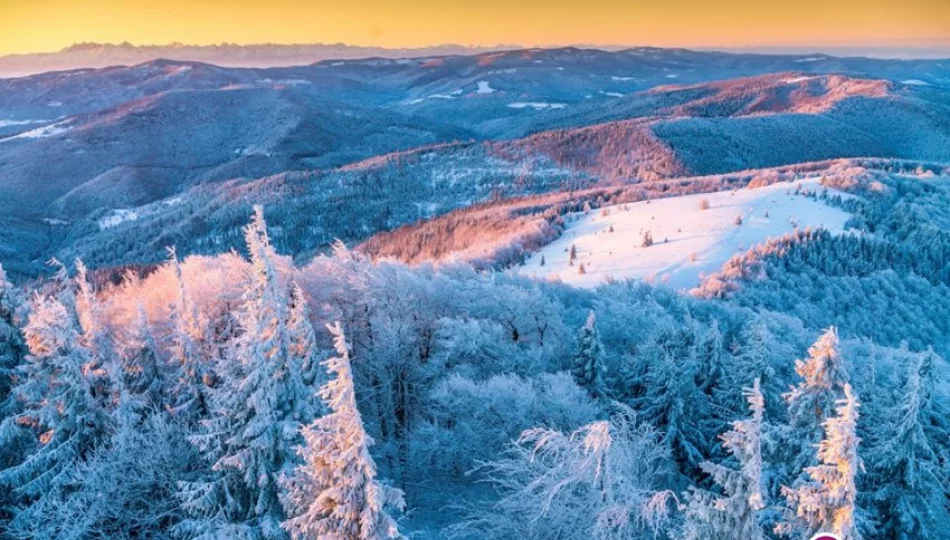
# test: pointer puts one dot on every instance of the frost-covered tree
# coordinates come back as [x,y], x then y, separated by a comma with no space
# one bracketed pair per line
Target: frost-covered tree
[189,395]
[711,359]
[93,333]
[303,349]
[736,512]
[140,372]
[124,490]
[334,494]
[11,341]
[257,410]
[813,400]
[63,400]
[752,359]
[12,352]
[909,482]
[827,502]
[588,365]
[678,407]
[600,481]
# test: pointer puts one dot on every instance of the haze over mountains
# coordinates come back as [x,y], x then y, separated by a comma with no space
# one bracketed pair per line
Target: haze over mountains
[100,55]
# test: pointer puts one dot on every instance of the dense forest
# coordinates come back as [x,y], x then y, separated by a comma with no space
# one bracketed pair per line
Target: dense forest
[242,397]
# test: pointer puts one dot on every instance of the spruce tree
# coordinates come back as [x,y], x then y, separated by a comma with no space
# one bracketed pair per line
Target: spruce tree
[813,400]
[303,339]
[12,352]
[588,366]
[736,512]
[12,348]
[827,502]
[257,412]
[141,374]
[908,478]
[334,494]
[65,399]
[189,394]
[676,406]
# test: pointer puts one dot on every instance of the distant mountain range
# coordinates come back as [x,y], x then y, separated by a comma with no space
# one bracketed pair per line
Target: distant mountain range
[100,55]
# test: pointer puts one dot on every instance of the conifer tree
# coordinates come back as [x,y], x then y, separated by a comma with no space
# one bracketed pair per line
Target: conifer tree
[65,401]
[12,351]
[813,400]
[12,348]
[334,494]
[189,395]
[735,513]
[711,357]
[909,481]
[827,502]
[257,411]
[588,367]
[303,339]
[676,406]
[752,360]
[141,375]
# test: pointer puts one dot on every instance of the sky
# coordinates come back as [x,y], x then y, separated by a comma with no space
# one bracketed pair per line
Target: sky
[49,25]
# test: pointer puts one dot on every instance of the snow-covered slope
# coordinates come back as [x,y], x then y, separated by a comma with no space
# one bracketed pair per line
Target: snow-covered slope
[687,241]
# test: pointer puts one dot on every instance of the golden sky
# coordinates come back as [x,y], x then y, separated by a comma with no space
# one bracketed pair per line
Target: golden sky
[48,25]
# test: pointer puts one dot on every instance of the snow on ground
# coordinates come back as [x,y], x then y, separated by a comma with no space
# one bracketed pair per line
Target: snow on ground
[484,88]
[624,79]
[536,105]
[915,82]
[8,123]
[798,79]
[117,217]
[42,132]
[688,242]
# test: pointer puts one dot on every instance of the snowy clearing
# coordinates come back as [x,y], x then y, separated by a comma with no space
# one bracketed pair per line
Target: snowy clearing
[687,241]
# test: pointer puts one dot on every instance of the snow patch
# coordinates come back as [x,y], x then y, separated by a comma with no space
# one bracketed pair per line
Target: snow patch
[43,132]
[117,217]
[8,123]
[687,242]
[915,82]
[484,88]
[613,94]
[623,79]
[536,105]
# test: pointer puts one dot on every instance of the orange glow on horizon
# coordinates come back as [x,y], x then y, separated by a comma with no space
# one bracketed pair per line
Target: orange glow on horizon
[49,25]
